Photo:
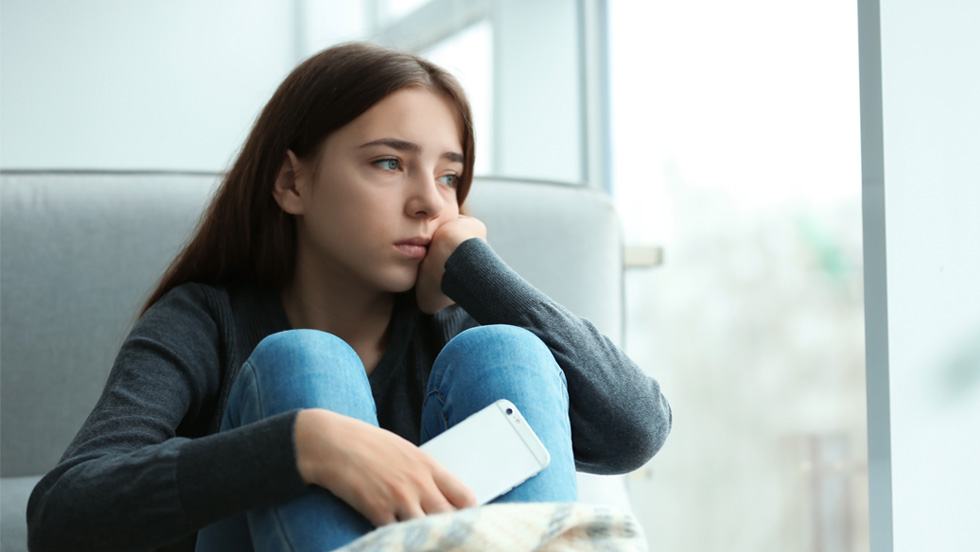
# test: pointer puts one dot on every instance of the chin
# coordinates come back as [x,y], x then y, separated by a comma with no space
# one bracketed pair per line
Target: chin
[400,283]
[403,288]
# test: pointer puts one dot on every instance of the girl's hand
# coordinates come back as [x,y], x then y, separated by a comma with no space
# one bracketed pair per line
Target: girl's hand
[381,475]
[428,287]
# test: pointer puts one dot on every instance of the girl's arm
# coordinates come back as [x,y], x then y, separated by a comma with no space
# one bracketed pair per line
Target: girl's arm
[619,417]
[128,481]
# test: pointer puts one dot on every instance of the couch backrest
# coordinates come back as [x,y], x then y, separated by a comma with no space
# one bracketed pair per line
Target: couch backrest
[80,251]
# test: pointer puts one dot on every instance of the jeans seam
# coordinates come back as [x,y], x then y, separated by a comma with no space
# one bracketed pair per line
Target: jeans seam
[282,530]
[442,414]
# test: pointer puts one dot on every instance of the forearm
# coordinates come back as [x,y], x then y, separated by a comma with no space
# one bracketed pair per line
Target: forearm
[619,416]
[159,494]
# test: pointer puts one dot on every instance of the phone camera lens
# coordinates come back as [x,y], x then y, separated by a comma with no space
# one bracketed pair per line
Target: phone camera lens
[510,411]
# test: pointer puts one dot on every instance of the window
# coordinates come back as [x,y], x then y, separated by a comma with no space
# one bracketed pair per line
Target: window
[736,148]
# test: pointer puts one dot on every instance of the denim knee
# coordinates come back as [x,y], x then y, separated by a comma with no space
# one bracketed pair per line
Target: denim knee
[286,352]
[482,355]
[299,369]
[510,336]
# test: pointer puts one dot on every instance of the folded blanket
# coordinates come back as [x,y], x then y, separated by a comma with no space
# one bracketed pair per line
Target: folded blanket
[511,527]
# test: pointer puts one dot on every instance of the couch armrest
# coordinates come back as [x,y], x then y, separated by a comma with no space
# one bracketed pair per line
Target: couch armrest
[13,511]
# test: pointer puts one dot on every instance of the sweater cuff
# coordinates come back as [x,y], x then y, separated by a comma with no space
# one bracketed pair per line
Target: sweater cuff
[239,470]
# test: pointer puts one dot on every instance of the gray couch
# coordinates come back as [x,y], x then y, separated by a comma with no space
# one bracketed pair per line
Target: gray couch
[80,250]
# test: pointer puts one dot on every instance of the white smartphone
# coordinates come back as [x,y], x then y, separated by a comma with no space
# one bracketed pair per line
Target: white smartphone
[491,451]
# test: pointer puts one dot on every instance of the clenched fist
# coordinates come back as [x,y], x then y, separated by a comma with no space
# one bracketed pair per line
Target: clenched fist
[428,287]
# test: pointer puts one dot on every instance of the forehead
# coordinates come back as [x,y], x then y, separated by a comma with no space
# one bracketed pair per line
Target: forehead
[415,114]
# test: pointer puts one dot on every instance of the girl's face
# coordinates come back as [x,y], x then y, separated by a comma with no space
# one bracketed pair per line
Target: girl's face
[386,181]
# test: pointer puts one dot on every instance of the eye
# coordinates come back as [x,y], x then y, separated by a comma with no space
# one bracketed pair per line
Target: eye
[449,180]
[388,163]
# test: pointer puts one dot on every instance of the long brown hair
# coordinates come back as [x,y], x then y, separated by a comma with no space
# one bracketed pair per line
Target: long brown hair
[244,236]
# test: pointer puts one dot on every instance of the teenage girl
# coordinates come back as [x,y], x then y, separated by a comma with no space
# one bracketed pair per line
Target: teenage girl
[334,309]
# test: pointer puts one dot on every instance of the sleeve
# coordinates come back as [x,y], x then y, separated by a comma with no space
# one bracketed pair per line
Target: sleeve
[127,482]
[618,415]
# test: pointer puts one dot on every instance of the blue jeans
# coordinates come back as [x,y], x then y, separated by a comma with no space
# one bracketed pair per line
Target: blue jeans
[307,368]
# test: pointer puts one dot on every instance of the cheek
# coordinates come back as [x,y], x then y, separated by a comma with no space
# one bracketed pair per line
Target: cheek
[449,214]
[368,202]
[453,209]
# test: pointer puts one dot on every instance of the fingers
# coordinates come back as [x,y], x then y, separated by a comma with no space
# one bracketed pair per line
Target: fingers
[435,502]
[455,491]
[460,229]
[414,500]
[411,511]
[425,495]
[378,518]
[396,503]
[381,475]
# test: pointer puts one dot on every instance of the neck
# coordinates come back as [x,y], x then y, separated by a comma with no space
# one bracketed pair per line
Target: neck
[319,301]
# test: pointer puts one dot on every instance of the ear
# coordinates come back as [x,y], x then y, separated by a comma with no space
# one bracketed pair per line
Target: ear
[290,185]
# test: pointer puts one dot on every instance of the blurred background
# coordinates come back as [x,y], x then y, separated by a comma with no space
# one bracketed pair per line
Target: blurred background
[727,132]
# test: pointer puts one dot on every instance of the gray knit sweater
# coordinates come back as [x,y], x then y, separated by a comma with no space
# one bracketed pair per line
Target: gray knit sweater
[148,468]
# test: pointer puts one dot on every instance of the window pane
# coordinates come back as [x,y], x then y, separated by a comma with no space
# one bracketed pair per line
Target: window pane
[396,9]
[736,147]
[469,56]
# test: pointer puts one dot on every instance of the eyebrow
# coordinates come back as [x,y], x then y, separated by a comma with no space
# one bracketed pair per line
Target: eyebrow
[404,145]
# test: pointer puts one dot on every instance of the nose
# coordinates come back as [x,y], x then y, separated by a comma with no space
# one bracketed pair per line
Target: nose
[424,198]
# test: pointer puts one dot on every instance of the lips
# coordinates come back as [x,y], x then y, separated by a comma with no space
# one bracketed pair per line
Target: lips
[415,248]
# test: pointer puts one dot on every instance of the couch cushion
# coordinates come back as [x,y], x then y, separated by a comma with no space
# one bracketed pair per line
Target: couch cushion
[79,253]
[566,240]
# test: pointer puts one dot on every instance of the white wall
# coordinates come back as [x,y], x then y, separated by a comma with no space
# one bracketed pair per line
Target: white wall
[922,188]
[117,84]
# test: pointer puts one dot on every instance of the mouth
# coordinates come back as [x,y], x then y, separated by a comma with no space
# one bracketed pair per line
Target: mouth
[415,248]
